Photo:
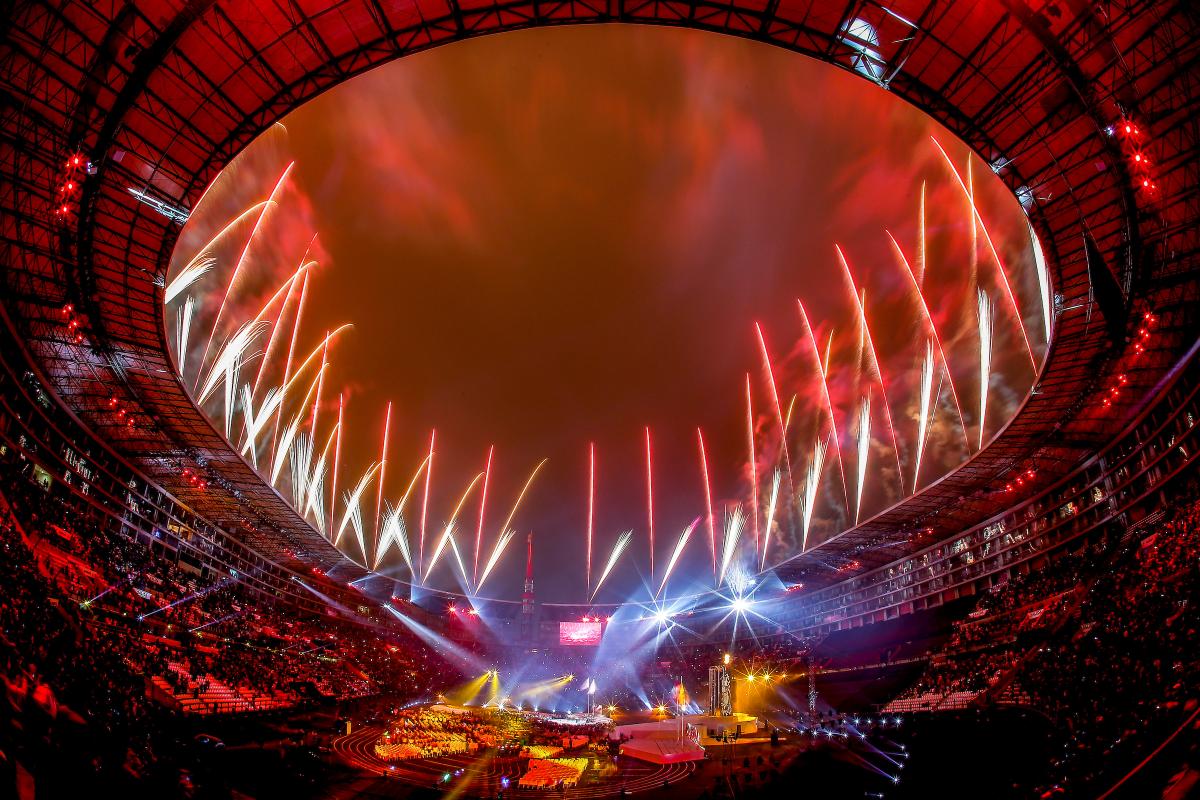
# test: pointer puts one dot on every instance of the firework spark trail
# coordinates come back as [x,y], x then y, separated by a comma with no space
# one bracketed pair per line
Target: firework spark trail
[776,479]
[316,485]
[425,503]
[301,460]
[528,482]
[734,523]
[487,474]
[877,369]
[186,277]
[383,448]
[823,373]
[926,412]
[237,269]
[289,433]
[1039,262]
[183,331]
[922,253]
[458,559]
[406,550]
[233,351]
[351,508]
[787,459]
[987,238]
[985,358]
[622,543]
[753,462]
[676,553]
[708,504]
[591,513]
[864,449]
[650,501]
[255,422]
[323,349]
[394,530]
[494,558]
[202,262]
[448,531]
[933,332]
[337,457]
[278,325]
[812,481]
[287,365]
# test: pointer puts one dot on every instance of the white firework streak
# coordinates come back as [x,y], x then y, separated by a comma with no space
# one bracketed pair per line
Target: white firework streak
[1039,261]
[394,530]
[256,421]
[864,449]
[351,506]
[289,433]
[400,532]
[622,542]
[449,531]
[812,481]
[985,357]
[187,276]
[494,558]
[356,523]
[734,522]
[235,350]
[771,506]
[183,330]
[316,485]
[302,452]
[679,546]
[458,558]
[441,545]
[924,421]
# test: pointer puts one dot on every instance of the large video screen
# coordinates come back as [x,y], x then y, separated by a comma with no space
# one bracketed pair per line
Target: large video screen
[578,633]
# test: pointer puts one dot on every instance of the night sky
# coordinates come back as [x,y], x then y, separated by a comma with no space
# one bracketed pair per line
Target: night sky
[557,237]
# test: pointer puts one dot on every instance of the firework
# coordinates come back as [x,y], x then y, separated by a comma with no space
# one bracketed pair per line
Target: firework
[622,543]
[287,364]
[494,558]
[237,269]
[383,448]
[926,411]
[864,449]
[255,422]
[708,505]
[1039,262]
[735,521]
[650,502]
[183,330]
[977,218]
[985,358]
[877,371]
[487,474]
[352,512]
[528,482]
[293,428]
[187,276]
[933,333]
[823,373]
[337,456]
[591,512]
[772,504]
[405,549]
[753,461]
[762,343]
[448,532]
[425,502]
[676,553]
[812,481]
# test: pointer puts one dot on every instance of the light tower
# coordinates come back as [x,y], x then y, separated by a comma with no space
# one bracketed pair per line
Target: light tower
[527,624]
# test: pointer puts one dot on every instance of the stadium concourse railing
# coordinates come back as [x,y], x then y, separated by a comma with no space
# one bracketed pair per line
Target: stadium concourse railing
[40,442]
[1122,484]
